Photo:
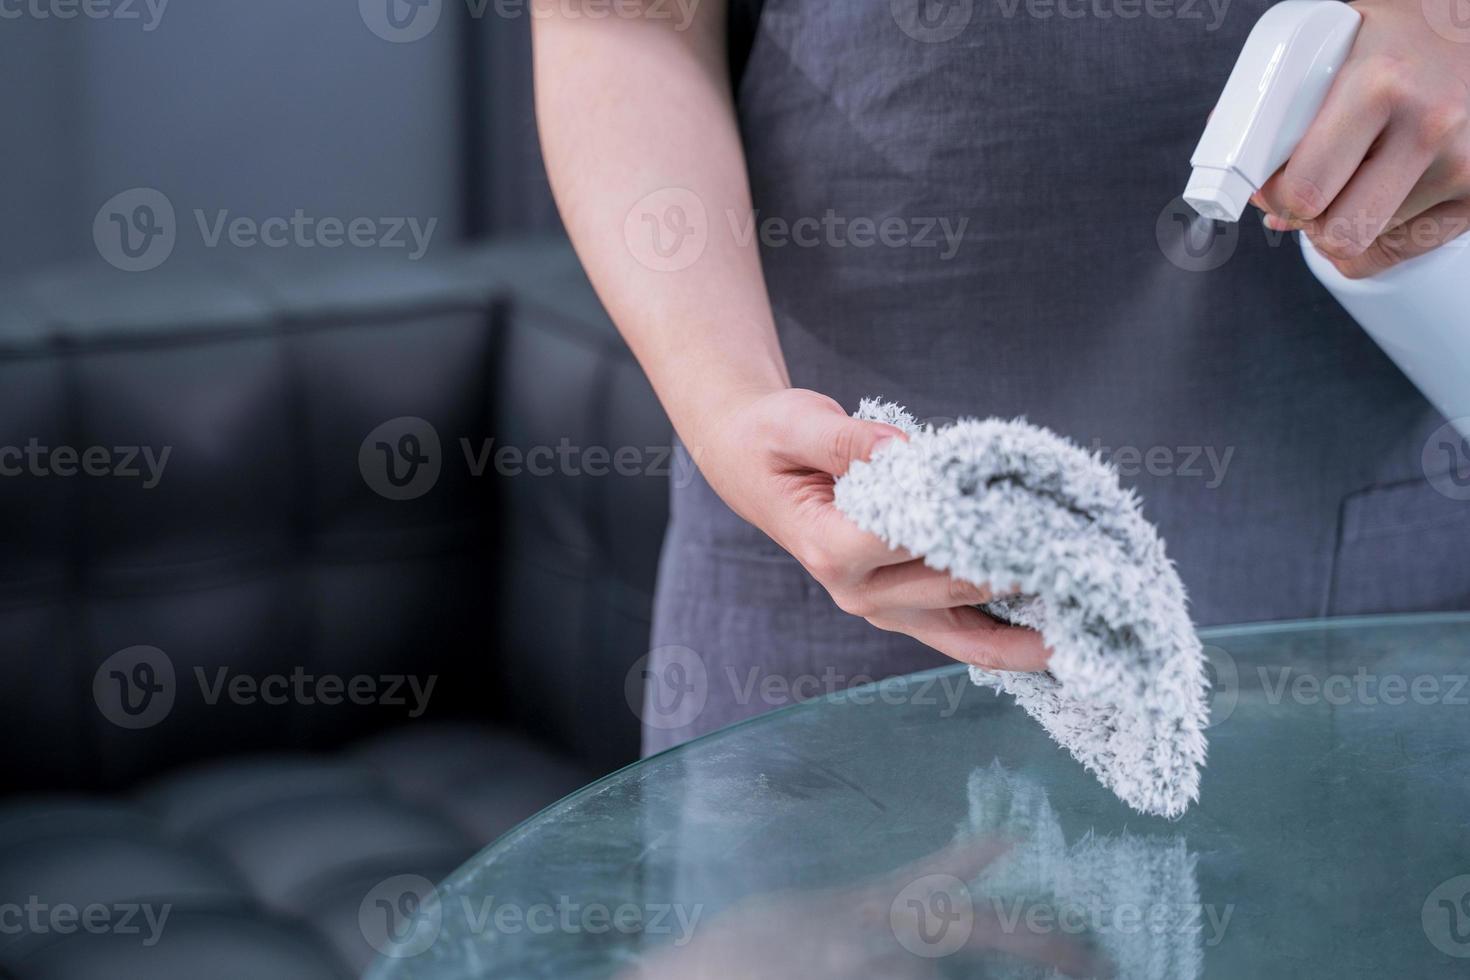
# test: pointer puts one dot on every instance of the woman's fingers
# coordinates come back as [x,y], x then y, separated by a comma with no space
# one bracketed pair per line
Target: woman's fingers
[1373,197]
[814,441]
[838,553]
[1434,228]
[1384,169]
[969,636]
[830,440]
[1446,180]
[1334,146]
[914,585]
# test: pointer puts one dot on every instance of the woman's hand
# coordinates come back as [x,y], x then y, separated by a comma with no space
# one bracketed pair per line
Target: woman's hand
[890,926]
[772,455]
[1383,173]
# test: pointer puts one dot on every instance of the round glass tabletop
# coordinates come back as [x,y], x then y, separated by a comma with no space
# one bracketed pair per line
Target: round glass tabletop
[923,827]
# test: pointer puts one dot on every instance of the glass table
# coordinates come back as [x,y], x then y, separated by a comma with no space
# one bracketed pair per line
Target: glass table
[923,827]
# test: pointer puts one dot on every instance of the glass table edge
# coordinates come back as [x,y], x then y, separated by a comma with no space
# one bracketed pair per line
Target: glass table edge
[1208,634]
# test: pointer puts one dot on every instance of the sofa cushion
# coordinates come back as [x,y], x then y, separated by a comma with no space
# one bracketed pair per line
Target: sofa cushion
[260,866]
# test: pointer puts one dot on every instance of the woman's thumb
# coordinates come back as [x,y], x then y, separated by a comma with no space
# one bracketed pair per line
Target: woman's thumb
[832,442]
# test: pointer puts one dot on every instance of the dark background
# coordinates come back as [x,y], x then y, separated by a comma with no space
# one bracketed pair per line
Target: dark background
[275,833]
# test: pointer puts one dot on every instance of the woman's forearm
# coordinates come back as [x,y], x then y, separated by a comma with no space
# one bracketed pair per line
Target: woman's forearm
[638,128]
[639,134]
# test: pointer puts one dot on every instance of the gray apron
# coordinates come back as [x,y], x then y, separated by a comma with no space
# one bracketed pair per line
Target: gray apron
[992,227]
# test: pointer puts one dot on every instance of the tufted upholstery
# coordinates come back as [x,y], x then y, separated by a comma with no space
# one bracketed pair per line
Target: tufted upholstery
[270,550]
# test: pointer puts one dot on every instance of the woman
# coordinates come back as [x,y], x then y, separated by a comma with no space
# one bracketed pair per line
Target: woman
[970,207]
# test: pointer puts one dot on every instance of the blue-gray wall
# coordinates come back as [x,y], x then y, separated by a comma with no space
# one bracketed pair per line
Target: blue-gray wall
[262,108]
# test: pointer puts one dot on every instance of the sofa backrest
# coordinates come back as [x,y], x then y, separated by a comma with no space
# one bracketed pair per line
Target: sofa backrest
[222,509]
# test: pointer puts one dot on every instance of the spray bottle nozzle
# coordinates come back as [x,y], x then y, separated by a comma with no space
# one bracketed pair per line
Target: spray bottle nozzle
[1221,194]
[1274,92]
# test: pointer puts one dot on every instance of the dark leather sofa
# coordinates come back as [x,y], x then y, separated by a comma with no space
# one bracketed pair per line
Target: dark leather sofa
[180,725]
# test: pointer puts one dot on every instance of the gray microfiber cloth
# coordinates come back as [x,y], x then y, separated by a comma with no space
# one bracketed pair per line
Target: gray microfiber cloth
[1001,503]
[1134,897]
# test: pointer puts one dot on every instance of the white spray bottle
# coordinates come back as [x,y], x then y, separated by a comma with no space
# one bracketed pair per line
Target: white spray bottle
[1417,311]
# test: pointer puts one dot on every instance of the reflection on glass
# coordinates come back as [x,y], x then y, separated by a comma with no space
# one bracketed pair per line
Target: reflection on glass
[1010,899]
[1135,898]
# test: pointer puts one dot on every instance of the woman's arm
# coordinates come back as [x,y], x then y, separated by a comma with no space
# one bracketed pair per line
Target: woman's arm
[640,138]
[639,135]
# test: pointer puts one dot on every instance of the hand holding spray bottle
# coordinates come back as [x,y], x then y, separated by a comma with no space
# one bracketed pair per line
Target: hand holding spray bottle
[1417,311]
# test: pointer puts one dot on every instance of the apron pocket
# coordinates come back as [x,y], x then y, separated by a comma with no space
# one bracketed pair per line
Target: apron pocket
[1403,548]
